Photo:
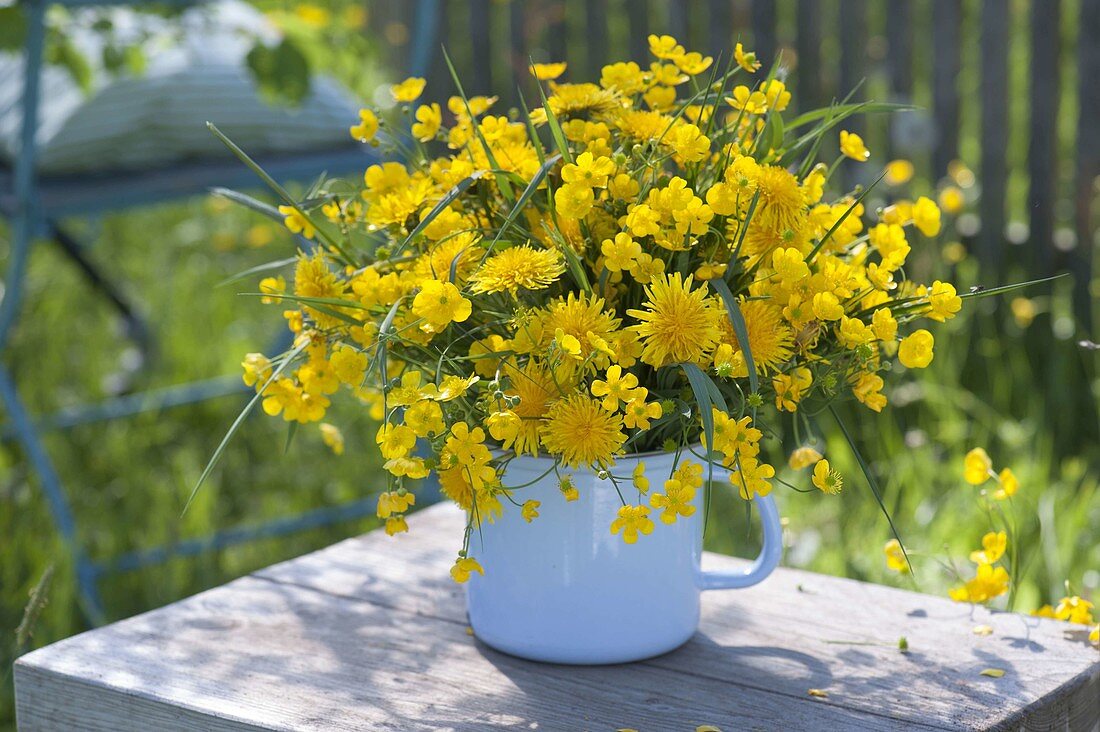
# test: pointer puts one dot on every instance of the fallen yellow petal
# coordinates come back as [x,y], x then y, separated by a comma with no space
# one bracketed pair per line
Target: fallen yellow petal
[994,672]
[983,630]
[818,693]
[707,728]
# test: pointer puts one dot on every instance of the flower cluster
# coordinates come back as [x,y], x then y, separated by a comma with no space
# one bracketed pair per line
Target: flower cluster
[648,261]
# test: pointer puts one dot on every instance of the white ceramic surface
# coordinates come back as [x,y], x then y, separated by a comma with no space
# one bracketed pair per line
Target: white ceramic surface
[563,589]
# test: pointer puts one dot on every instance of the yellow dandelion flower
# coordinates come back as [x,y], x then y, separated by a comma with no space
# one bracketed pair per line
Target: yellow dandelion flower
[582,432]
[781,207]
[771,340]
[678,324]
[534,386]
[518,268]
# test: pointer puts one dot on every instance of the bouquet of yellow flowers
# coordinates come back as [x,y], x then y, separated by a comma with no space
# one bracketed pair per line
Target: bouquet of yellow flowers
[650,262]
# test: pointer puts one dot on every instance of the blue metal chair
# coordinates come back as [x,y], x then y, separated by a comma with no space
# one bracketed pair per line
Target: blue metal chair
[34,201]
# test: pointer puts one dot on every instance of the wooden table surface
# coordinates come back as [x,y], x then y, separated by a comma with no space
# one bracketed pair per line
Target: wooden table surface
[371,634]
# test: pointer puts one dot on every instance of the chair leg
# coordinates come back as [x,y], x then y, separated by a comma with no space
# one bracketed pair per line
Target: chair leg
[86,571]
[137,329]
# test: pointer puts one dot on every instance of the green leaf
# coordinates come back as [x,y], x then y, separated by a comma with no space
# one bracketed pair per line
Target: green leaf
[555,128]
[61,52]
[865,107]
[871,482]
[282,72]
[258,269]
[698,381]
[13,28]
[740,328]
[995,673]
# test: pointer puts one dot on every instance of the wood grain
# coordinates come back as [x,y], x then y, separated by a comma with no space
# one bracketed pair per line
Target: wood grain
[371,634]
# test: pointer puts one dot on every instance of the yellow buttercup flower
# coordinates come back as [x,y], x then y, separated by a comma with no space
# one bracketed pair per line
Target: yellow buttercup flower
[915,351]
[367,127]
[547,72]
[899,172]
[574,200]
[464,567]
[530,510]
[989,582]
[408,90]
[297,222]
[588,170]
[631,521]
[895,557]
[926,216]
[639,479]
[676,501]
[665,47]
[827,480]
[803,457]
[746,59]
[332,437]
[851,145]
[1009,485]
[993,548]
[429,118]
[977,467]
[619,387]
[441,303]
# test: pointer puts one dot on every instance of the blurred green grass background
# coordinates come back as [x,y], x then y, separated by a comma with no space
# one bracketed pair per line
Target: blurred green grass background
[1023,390]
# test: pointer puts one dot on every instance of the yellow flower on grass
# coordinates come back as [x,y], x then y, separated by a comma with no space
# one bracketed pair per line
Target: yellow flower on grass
[574,200]
[693,63]
[993,548]
[1009,485]
[408,90]
[827,480]
[530,510]
[632,520]
[915,351]
[367,127]
[588,170]
[582,432]
[296,221]
[441,303]
[895,557]
[332,437]
[977,467]
[547,72]
[851,145]
[518,268]
[464,567]
[429,118]
[678,324]
[988,582]
[803,457]
[745,59]
[926,216]
[619,387]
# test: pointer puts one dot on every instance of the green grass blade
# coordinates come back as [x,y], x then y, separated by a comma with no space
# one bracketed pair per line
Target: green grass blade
[698,381]
[835,226]
[524,198]
[737,318]
[872,483]
[444,202]
[555,128]
[248,202]
[993,291]
[217,456]
[258,269]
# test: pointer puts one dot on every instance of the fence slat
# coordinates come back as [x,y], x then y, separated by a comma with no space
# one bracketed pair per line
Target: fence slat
[946,63]
[1042,155]
[811,84]
[853,52]
[1088,159]
[638,14]
[678,23]
[720,28]
[899,56]
[994,133]
[481,47]
[557,31]
[518,52]
[763,30]
[596,33]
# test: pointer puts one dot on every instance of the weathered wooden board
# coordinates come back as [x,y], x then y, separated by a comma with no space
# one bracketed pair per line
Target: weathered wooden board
[371,634]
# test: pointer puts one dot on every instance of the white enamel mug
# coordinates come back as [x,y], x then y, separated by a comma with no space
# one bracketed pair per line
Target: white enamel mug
[564,589]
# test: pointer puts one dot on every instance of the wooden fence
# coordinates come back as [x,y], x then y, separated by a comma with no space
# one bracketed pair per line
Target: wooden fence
[1010,87]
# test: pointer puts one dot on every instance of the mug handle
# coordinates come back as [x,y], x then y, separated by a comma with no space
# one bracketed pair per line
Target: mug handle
[768,558]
